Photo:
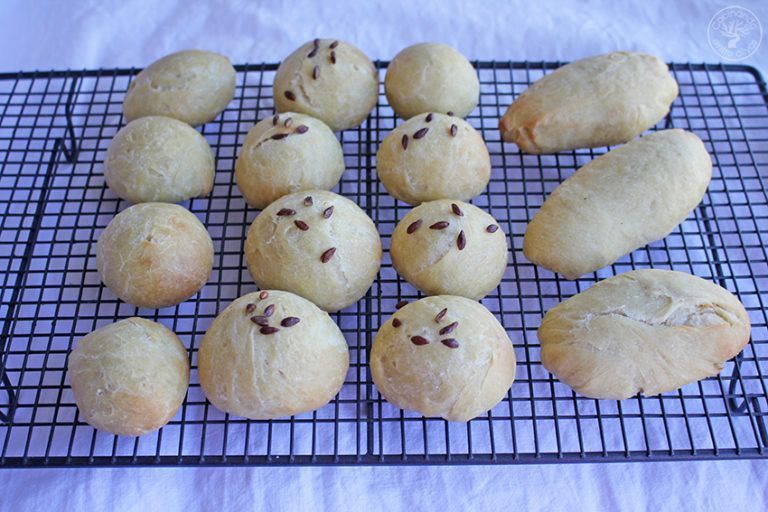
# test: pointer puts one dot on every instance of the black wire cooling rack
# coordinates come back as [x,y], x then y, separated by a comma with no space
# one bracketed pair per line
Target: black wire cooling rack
[54,131]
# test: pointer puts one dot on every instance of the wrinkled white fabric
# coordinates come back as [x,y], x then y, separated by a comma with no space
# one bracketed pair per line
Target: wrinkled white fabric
[94,34]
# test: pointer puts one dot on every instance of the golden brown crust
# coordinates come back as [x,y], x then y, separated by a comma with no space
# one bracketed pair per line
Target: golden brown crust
[457,383]
[645,331]
[154,255]
[620,201]
[257,374]
[598,101]
[129,378]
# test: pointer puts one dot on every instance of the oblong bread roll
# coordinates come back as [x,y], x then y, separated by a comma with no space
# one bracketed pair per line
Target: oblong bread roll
[193,86]
[598,101]
[645,331]
[618,202]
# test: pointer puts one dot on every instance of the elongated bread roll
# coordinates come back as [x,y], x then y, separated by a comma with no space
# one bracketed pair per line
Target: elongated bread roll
[193,86]
[618,202]
[598,101]
[646,331]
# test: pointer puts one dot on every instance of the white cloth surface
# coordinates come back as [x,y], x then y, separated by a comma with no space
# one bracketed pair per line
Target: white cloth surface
[92,34]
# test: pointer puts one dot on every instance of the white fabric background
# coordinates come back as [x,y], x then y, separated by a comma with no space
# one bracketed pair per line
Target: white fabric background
[91,34]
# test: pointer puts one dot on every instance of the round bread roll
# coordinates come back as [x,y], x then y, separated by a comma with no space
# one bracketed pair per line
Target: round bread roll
[160,159]
[154,255]
[287,153]
[431,77]
[450,248]
[433,156]
[317,244]
[330,80]
[193,86]
[443,356]
[271,354]
[129,378]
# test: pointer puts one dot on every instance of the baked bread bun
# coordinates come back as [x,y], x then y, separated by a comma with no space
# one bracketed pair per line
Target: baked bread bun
[287,153]
[129,378]
[431,77]
[157,158]
[618,202]
[449,247]
[599,101]
[271,354]
[154,255]
[443,356]
[433,156]
[330,80]
[316,244]
[193,86]
[646,331]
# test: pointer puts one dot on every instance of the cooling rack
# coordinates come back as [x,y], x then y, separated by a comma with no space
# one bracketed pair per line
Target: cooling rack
[54,131]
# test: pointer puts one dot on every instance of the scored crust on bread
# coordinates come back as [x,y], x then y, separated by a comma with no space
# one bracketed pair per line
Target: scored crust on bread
[646,331]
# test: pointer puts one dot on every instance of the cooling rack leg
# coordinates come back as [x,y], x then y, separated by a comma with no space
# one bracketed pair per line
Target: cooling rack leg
[742,408]
[760,421]
[66,146]
[668,120]
[733,402]
[5,385]
[71,149]
[5,336]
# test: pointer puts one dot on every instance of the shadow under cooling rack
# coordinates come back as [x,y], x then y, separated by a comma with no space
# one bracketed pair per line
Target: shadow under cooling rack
[54,131]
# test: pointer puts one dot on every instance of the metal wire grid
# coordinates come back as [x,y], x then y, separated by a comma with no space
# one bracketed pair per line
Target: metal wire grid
[54,131]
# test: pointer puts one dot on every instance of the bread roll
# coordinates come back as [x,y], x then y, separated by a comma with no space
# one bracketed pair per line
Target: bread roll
[431,77]
[193,86]
[271,354]
[599,101]
[286,153]
[433,156]
[330,80]
[154,255]
[129,378]
[449,247]
[316,244]
[646,331]
[618,202]
[157,158]
[443,356]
